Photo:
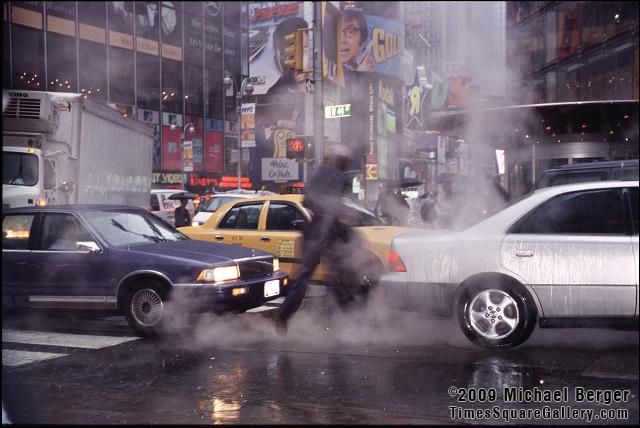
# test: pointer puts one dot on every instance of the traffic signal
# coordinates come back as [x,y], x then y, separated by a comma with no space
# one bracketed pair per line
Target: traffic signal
[293,50]
[296,148]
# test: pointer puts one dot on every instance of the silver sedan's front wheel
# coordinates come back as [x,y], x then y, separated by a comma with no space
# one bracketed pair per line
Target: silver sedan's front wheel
[496,314]
[144,307]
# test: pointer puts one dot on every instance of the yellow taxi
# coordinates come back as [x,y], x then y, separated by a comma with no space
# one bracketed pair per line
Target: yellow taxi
[275,224]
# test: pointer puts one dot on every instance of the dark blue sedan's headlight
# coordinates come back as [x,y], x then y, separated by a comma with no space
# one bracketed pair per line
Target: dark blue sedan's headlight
[219,274]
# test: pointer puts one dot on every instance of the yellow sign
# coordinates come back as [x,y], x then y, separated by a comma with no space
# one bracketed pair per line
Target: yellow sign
[285,248]
[372,171]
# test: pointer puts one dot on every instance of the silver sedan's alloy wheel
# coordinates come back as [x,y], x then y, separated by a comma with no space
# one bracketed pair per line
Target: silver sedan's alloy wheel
[493,314]
[146,307]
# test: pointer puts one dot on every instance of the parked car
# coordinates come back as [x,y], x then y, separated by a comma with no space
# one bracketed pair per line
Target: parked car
[592,171]
[122,257]
[275,223]
[163,207]
[212,204]
[564,256]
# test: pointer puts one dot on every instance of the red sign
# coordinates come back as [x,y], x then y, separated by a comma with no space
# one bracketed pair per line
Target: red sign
[214,157]
[171,151]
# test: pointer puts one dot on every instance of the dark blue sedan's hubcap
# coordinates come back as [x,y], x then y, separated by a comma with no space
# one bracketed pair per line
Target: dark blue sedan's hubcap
[146,307]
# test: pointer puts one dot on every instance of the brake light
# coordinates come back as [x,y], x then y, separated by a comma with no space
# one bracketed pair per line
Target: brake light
[395,263]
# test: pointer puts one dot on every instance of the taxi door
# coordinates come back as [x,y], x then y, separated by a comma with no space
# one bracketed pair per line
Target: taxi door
[239,226]
[282,235]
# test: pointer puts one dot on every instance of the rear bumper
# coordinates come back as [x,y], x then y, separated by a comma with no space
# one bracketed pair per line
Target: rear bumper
[197,298]
[417,296]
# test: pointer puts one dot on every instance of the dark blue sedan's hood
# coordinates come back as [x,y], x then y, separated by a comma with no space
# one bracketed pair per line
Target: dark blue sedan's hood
[201,251]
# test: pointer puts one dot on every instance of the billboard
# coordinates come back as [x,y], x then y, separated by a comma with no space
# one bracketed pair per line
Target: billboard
[370,43]
[269,23]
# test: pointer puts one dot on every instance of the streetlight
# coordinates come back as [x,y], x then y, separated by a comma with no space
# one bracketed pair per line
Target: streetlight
[245,88]
[182,137]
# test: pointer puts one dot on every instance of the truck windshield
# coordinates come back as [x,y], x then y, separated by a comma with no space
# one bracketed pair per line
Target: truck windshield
[19,168]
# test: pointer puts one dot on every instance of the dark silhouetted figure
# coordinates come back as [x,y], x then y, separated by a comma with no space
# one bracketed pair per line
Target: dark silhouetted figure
[182,216]
[325,230]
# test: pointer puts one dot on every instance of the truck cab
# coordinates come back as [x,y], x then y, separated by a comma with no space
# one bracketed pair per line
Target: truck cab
[23,177]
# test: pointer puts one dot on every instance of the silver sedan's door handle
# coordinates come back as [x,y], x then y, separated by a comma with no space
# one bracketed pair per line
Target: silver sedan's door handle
[524,253]
[219,237]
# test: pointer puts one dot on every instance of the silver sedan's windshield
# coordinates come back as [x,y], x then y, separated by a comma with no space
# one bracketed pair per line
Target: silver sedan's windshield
[123,228]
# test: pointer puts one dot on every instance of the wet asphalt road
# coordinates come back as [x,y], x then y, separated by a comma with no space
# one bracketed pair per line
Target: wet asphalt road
[376,366]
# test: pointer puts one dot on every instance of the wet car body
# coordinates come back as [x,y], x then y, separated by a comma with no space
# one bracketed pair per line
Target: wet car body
[100,272]
[565,255]
[276,224]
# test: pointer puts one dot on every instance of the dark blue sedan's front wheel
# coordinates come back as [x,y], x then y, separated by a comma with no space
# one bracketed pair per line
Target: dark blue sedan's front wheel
[144,307]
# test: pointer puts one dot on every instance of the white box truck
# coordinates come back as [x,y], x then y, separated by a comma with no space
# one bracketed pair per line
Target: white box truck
[60,148]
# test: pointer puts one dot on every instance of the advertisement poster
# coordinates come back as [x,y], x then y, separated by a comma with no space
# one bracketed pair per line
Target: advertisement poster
[368,43]
[214,155]
[248,125]
[171,153]
[187,156]
[197,154]
[269,23]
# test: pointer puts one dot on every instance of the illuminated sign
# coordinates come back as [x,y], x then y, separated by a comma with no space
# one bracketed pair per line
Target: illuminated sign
[342,110]
[371,171]
[296,148]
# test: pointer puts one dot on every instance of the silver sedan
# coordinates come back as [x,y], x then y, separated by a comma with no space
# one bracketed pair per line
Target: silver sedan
[564,256]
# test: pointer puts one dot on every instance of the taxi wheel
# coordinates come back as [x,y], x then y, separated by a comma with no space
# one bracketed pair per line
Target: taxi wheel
[144,307]
[496,314]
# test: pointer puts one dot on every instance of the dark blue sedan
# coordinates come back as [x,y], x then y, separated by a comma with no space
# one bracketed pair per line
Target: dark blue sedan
[122,257]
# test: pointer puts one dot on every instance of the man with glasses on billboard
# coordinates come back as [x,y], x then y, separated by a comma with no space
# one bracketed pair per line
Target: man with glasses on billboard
[355,46]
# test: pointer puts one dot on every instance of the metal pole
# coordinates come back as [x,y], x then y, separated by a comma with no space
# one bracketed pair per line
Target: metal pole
[239,113]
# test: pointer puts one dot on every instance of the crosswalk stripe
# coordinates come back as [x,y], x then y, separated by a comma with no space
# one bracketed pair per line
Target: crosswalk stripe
[62,339]
[13,358]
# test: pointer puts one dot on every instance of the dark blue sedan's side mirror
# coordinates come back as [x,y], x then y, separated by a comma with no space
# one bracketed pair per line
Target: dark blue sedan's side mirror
[90,246]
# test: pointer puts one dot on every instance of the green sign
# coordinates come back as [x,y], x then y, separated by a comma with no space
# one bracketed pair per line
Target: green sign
[343,110]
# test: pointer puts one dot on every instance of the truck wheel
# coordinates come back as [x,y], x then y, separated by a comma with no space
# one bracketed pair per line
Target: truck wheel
[496,315]
[144,307]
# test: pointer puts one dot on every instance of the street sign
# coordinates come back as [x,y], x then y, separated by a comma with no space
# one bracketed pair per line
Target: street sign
[342,110]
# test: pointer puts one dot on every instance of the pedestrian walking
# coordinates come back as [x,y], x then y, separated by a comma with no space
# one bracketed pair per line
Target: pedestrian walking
[182,215]
[322,235]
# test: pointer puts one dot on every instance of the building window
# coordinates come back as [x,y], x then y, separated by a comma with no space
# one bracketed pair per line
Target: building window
[121,79]
[61,63]
[28,58]
[171,86]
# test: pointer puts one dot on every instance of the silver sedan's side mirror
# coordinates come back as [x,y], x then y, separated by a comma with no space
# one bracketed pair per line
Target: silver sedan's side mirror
[90,246]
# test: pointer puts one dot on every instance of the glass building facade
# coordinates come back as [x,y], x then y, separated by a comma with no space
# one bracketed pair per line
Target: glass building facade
[161,62]
[573,51]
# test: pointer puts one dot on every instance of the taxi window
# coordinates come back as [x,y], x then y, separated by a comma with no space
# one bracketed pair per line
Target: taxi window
[282,216]
[16,230]
[242,217]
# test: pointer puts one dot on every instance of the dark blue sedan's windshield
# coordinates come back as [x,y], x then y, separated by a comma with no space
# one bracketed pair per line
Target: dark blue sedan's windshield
[123,228]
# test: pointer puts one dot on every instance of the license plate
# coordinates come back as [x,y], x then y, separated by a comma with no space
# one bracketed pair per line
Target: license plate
[272,288]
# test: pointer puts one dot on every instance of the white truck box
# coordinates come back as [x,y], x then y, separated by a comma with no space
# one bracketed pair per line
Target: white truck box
[87,152]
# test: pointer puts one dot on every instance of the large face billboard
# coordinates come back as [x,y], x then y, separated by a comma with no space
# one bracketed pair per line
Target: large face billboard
[363,43]
[269,23]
